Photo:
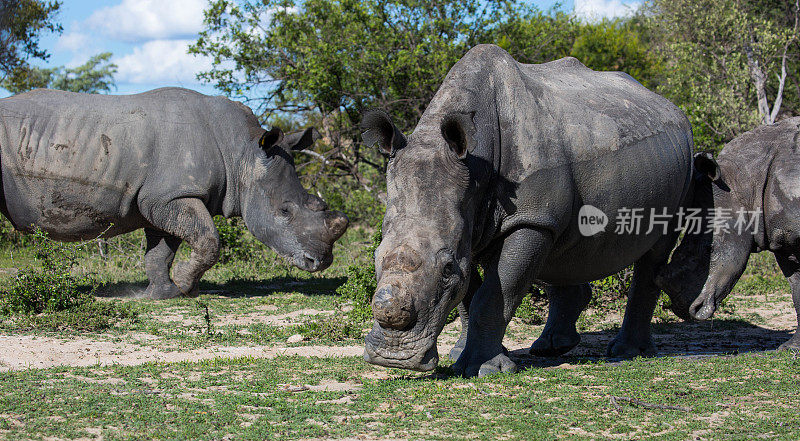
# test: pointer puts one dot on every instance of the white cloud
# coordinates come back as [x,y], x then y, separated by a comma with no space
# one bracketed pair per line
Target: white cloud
[141,20]
[598,9]
[161,62]
[72,42]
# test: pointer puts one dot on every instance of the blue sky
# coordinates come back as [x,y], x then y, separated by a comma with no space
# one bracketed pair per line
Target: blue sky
[149,37]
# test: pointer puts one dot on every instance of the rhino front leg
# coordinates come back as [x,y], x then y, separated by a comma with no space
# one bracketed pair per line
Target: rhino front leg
[161,248]
[559,335]
[475,282]
[507,276]
[791,269]
[188,219]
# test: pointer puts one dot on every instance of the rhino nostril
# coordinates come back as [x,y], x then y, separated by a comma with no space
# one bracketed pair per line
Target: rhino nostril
[310,262]
[693,308]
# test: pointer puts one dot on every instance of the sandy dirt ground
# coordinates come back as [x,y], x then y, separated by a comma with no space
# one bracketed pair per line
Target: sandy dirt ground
[776,322]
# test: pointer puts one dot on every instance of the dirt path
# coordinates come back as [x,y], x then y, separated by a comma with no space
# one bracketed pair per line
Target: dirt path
[24,352]
[36,352]
[763,327]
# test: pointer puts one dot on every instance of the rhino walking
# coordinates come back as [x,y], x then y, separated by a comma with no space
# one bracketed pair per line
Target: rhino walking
[167,160]
[749,201]
[495,174]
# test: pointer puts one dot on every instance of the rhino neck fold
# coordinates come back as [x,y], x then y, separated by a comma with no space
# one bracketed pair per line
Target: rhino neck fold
[235,171]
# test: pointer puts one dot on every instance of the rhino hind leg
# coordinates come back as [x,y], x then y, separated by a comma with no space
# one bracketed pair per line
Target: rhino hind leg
[188,219]
[161,248]
[791,269]
[559,335]
[634,337]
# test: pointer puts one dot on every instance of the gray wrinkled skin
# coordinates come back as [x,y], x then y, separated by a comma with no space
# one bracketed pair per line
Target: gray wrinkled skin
[494,175]
[167,160]
[759,170]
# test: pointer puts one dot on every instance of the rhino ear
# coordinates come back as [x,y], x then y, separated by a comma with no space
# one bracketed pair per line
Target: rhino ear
[379,129]
[458,130]
[271,138]
[707,166]
[301,139]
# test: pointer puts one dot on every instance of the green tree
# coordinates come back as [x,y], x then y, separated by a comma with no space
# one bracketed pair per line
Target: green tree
[619,45]
[95,76]
[325,61]
[727,62]
[536,36]
[21,24]
[539,37]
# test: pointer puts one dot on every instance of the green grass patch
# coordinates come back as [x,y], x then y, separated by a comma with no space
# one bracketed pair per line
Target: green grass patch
[300,398]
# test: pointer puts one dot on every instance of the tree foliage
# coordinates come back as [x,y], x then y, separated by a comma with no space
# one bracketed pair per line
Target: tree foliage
[21,24]
[539,37]
[323,62]
[716,51]
[618,45]
[94,76]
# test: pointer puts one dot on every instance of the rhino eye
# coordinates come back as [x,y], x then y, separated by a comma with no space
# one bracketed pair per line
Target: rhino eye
[448,269]
[447,262]
[286,209]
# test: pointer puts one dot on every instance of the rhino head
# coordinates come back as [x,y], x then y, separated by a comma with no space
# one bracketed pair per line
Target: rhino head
[422,264]
[277,209]
[706,265]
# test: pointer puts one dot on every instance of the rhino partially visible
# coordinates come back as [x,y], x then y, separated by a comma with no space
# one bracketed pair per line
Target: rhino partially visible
[167,160]
[748,201]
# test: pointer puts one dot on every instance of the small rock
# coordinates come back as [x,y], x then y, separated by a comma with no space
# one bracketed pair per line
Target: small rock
[297,338]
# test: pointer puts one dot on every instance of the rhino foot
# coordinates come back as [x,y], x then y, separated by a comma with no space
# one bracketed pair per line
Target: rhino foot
[470,366]
[182,276]
[792,345]
[553,344]
[162,291]
[455,353]
[625,348]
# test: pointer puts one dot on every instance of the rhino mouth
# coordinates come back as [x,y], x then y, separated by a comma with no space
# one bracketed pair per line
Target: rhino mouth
[389,348]
[704,307]
[309,262]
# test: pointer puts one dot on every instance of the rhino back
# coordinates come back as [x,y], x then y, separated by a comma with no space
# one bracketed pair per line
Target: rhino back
[74,163]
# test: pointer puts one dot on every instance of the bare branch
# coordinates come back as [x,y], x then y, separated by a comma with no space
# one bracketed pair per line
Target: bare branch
[760,81]
[322,159]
